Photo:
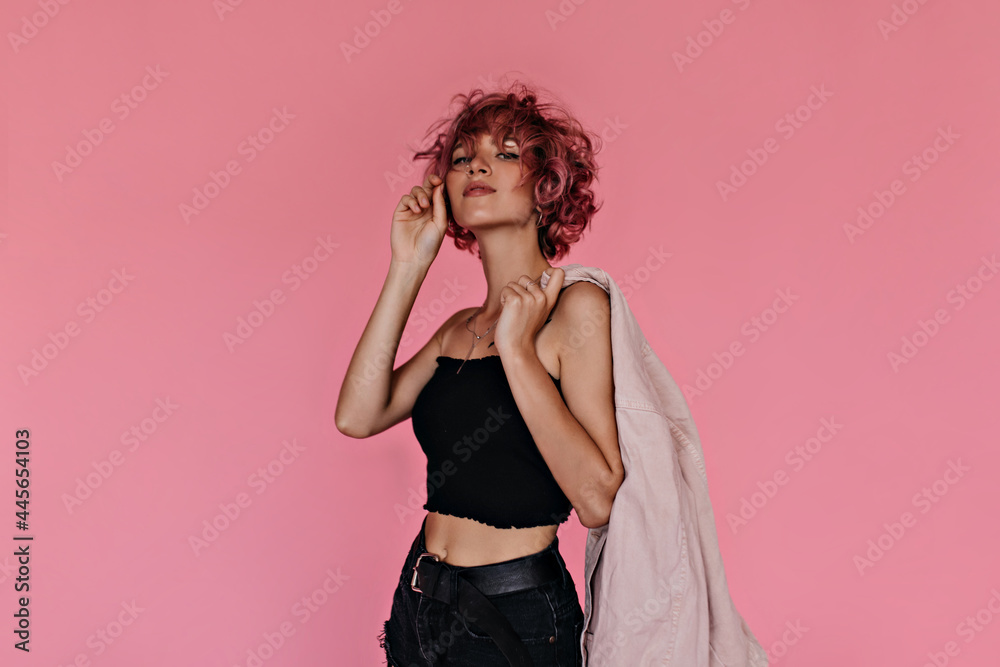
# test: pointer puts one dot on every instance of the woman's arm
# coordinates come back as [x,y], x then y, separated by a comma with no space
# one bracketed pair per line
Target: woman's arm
[577,438]
[373,397]
[366,391]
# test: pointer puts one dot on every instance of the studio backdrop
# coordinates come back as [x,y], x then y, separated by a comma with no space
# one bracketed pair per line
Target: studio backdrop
[800,204]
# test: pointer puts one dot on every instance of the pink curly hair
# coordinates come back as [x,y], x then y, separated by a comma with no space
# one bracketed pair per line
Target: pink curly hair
[555,149]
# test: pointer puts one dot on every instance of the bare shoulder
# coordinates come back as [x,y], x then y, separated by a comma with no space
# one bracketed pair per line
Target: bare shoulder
[584,318]
[584,291]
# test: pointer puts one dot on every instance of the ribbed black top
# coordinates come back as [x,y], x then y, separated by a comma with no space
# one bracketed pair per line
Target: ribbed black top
[482,462]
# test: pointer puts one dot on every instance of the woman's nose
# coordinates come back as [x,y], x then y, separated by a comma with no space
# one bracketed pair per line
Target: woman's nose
[477,164]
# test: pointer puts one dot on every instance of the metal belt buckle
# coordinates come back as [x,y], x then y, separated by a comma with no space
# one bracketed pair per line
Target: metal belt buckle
[413,580]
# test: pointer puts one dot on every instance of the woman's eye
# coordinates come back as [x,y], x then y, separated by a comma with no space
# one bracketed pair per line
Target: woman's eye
[512,156]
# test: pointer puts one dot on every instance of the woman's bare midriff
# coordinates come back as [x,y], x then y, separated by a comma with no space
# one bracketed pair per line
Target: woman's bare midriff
[466,543]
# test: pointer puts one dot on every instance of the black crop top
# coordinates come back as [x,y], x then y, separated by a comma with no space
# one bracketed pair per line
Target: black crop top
[482,462]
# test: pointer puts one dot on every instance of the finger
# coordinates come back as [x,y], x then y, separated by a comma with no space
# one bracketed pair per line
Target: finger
[556,278]
[411,203]
[432,181]
[420,195]
[535,291]
[517,289]
[440,215]
[423,196]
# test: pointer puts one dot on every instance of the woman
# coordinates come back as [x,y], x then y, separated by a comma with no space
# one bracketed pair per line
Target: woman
[515,412]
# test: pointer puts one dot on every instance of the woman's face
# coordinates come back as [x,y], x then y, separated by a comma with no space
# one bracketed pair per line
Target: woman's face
[500,169]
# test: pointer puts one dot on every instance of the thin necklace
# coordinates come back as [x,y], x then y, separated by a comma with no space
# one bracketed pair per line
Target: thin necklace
[485,333]
[478,337]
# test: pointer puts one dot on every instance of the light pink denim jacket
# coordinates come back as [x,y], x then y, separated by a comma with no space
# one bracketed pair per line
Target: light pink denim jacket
[656,591]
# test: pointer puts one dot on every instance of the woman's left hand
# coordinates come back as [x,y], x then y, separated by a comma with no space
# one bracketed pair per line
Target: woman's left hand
[524,308]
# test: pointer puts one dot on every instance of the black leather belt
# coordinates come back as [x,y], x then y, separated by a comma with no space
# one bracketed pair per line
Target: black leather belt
[467,588]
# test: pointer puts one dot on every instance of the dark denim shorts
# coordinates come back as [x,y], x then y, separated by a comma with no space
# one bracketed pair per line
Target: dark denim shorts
[422,631]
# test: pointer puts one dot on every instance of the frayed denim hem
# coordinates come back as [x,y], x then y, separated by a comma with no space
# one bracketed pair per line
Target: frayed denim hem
[384,644]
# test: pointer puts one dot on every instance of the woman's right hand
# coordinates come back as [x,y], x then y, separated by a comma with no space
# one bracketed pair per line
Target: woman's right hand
[419,223]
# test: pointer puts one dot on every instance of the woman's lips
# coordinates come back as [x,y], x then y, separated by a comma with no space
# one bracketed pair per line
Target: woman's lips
[477,188]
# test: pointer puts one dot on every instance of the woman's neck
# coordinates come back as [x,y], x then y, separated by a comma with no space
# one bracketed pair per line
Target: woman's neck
[490,309]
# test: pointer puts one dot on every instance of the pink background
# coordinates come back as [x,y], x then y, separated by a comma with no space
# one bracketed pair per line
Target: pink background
[335,171]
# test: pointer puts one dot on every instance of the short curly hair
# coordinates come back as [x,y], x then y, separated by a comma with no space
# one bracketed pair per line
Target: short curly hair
[555,149]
